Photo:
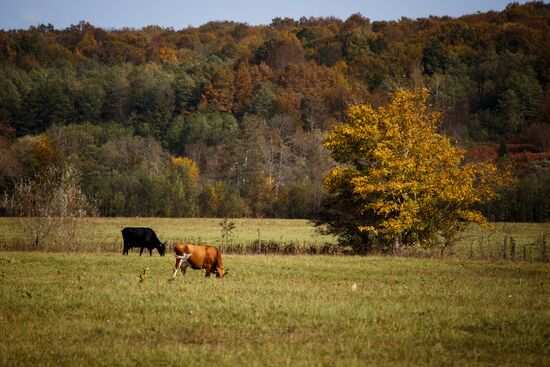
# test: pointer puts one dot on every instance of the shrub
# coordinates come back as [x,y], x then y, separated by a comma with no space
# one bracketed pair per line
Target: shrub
[49,206]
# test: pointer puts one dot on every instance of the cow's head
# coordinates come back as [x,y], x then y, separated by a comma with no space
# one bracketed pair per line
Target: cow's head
[162,249]
[220,272]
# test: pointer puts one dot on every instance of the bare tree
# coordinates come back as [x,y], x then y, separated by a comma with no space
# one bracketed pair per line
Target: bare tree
[48,207]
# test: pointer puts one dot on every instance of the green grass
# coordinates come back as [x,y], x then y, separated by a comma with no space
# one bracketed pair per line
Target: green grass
[480,243]
[92,309]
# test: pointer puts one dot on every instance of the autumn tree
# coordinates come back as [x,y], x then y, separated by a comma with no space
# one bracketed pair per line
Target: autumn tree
[402,183]
[180,194]
[220,200]
[244,88]
[88,45]
[278,54]
[223,94]
[218,94]
[168,55]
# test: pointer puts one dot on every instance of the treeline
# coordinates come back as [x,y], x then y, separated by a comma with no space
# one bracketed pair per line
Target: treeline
[252,171]
[245,107]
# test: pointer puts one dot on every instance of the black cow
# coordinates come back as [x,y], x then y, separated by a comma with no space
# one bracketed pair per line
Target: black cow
[142,238]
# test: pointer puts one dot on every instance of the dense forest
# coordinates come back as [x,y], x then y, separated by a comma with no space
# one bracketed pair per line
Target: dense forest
[228,119]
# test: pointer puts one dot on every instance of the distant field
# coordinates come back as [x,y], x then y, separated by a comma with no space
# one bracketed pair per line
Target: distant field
[483,243]
[103,235]
[92,309]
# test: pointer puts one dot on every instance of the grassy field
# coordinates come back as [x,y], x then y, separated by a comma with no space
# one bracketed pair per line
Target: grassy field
[103,235]
[101,309]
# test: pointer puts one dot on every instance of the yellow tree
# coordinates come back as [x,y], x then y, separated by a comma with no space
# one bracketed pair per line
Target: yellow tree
[182,190]
[167,54]
[401,182]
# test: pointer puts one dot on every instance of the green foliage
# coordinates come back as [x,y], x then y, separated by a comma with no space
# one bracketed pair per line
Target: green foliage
[49,101]
[509,110]
[265,102]
[194,91]
[125,75]
[434,57]
[525,201]
[210,128]
[356,44]
[10,100]
[528,91]
[186,92]
[152,97]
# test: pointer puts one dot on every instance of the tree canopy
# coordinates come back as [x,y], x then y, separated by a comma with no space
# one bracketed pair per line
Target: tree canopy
[409,183]
[249,105]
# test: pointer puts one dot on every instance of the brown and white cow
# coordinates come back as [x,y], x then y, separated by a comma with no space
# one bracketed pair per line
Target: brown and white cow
[198,257]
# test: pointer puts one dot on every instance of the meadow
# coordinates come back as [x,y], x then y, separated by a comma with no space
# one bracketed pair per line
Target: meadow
[99,234]
[285,236]
[108,309]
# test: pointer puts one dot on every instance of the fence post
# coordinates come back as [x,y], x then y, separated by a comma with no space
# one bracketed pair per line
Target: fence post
[543,249]
[504,248]
[512,248]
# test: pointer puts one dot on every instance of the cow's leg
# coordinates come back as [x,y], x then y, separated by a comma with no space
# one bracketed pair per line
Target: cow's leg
[141,251]
[207,267]
[180,265]
[150,252]
[184,268]
[216,271]
[177,267]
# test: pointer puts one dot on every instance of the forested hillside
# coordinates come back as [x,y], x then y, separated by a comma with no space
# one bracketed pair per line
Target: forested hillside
[228,119]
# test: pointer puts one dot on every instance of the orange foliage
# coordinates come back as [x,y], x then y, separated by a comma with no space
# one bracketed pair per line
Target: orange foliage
[483,153]
[521,156]
[219,93]
[168,54]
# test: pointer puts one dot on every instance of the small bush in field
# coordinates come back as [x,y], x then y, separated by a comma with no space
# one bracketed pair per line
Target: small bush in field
[227,231]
